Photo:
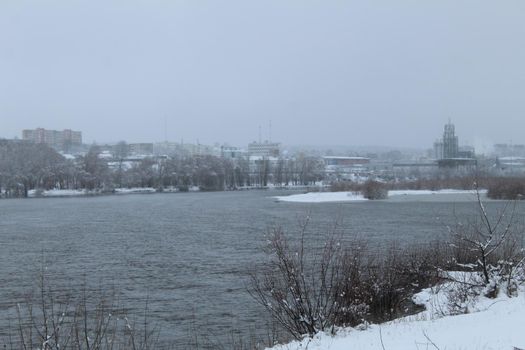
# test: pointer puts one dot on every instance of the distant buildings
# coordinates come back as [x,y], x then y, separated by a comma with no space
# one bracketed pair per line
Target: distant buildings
[422,169]
[140,148]
[167,148]
[509,150]
[264,149]
[509,159]
[341,167]
[447,147]
[63,140]
[448,153]
[450,142]
[438,149]
[230,152]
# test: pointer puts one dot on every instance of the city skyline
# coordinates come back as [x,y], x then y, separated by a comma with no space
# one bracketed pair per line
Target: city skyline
[267,138]
[343,73]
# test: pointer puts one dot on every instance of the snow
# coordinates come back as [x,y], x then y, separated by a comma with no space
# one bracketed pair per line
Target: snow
[135,190]
[323,197]
[71,193]
[492,324]
[68,156]
[427,192]
[126,165]
[56,193]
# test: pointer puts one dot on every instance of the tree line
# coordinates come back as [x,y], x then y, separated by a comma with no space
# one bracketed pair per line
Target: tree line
[27,166]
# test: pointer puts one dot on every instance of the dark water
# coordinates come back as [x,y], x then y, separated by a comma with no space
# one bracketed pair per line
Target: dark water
[188,254]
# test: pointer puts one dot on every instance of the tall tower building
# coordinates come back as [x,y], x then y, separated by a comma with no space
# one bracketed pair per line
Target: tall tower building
[450,142]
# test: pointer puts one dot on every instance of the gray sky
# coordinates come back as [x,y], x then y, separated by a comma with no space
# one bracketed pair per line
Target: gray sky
[324,72]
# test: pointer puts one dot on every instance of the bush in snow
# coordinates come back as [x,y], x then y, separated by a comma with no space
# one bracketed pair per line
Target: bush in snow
[299,288]
[374,190]
[308,290]
[491,246]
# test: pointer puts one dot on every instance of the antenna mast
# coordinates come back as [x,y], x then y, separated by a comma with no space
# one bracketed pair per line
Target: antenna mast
[165,129]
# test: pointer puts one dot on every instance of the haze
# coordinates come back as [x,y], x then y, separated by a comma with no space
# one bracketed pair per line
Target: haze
[324,72]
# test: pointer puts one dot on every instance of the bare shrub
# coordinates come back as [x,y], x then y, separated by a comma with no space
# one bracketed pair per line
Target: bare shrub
[491,245]
[297,287]
[312,290]
[462,290]
[392,279]
[375,190]
[60,320]
[438,183]
[509,188]
[352,298]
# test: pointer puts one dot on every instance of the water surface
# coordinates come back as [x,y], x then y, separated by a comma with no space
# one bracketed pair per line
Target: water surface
[188,254]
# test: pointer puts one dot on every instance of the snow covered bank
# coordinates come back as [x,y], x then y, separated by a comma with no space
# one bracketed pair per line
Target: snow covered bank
[427,192]
[75,193]
[57,193]
[322,197]
[135,190]
[492,324]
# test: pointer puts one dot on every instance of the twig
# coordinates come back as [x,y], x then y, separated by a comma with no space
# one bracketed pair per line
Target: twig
[381,338]
[430,340]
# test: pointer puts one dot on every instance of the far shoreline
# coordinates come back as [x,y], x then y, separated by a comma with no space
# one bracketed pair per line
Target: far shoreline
[65,193]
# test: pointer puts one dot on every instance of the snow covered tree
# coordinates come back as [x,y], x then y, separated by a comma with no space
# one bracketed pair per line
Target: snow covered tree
[95,169]
[120,152]
[25,166]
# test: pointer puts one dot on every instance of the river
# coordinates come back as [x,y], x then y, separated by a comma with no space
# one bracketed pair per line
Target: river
[187,254]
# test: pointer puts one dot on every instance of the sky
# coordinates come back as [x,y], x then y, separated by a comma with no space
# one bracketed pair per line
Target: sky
[320,72]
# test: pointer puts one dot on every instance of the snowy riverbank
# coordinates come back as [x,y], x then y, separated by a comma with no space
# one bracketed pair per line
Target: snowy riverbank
[38,193]
[79,193]
[310,197]
[325,197]
[490,324]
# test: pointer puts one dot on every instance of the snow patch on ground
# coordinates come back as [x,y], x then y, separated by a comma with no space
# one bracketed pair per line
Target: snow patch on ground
[56,193]
[491,324]
[426,192]
[322,197]
[135,190]
[74,193]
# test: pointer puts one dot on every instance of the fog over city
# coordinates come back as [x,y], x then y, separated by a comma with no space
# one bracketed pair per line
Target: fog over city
[324,73]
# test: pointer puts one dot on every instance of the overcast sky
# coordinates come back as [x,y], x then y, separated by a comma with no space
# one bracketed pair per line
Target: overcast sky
[324,72]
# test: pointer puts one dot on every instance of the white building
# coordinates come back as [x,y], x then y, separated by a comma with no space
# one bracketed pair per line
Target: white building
[264,149]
